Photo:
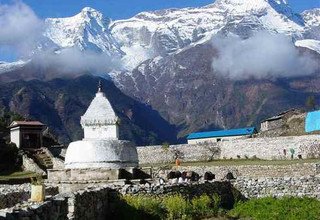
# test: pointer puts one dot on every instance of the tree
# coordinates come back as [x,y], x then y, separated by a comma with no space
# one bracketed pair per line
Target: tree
[311,102]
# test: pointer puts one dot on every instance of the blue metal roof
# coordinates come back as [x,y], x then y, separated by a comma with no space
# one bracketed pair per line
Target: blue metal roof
[312,121]
[223,133]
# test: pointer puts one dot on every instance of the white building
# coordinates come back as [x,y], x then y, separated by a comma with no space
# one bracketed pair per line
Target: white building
[101,147]
[26,134]
[223,135]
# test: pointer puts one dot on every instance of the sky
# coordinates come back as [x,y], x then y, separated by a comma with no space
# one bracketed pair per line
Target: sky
[122,9]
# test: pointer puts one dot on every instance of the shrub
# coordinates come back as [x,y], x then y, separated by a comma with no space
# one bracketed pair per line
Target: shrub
[165,146]
[169,207]
[9,155]
[177,207]
[147,204]
[201,206]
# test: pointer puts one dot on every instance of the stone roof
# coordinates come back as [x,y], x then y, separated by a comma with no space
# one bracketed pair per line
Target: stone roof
[25,123]
[100,112]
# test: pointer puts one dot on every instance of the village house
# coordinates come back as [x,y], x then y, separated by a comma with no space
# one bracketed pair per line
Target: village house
[26,134]
[222,135]
[277,121]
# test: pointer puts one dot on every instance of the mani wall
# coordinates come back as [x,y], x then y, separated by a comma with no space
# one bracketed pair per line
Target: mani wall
[101,202]
[278,148]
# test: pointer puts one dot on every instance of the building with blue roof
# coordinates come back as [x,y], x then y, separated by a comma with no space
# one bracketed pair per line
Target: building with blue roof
[312,121]
[216,136]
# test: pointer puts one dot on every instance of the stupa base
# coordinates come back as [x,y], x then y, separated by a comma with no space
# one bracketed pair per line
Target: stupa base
[108,154]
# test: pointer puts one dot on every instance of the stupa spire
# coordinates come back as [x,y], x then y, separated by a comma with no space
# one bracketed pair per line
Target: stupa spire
[100,86]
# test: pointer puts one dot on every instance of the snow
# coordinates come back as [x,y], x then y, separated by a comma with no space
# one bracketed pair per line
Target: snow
[87,30]
[7,67]
[310,44]
[312,17]
[168,31]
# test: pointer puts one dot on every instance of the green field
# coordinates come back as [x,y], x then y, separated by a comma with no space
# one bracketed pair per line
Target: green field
[285,208]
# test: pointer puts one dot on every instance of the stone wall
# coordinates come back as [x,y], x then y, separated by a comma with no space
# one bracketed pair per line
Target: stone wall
[55,208]
[278,148]
[57,162]
[89,204]
[84,204]
[255,171]
[99,202]
[29,165]
[10,195]
[308,186]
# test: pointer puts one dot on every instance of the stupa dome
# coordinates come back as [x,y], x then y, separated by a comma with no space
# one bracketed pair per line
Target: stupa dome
[100,112]
[101,147]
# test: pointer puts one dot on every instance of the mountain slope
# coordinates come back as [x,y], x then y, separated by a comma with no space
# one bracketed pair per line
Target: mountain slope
[59,103]
[188,93]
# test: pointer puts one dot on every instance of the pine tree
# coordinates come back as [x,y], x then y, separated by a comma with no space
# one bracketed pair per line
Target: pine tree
[311,103]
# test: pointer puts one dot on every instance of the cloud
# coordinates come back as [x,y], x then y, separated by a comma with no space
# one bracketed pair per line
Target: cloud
[263,55]
[22,32]
[20,27]
[72,61]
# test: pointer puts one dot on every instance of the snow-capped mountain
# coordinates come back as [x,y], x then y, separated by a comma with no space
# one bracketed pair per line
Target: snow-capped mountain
[166,31]
[169,59]
[312,24]
[159,33]
[312,17]
[7,67]
[87,30]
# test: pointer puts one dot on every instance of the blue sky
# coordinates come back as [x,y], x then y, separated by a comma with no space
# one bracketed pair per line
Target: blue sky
[121,9]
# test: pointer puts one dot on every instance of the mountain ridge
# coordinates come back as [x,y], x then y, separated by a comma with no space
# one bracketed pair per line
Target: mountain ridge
[162,32]
[167,68]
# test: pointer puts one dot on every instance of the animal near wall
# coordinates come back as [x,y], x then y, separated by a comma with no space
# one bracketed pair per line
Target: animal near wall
[279,148]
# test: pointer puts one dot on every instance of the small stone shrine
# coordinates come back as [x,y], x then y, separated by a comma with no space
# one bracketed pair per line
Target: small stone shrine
[101,147]
[26,134]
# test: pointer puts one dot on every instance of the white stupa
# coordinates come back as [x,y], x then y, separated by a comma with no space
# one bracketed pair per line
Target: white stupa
[101,147]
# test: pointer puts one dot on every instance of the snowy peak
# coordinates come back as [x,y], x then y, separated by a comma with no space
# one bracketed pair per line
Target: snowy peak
[312,17]
[169,30]
[88,30]
[276,8]
[88,11]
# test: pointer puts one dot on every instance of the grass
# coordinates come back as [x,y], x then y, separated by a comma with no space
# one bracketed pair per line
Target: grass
[207,207]
[237,162]
[270,208]
[17,175]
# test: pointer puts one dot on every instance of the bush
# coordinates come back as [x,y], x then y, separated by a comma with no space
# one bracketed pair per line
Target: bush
[9,156]
[170,206]
[201,206]
[177,207]
[150,205]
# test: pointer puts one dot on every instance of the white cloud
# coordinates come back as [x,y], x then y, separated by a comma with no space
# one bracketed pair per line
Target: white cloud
[22,31]
[261,56]
[20,27]
[74,61]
